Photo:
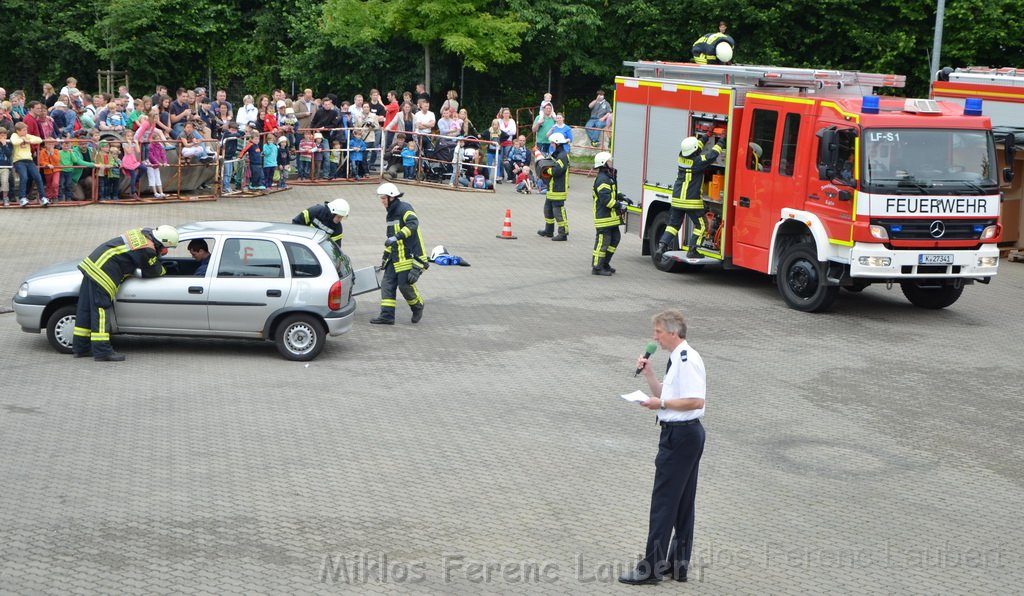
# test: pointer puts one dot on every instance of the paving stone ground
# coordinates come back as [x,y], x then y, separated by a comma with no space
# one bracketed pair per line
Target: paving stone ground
[871,449]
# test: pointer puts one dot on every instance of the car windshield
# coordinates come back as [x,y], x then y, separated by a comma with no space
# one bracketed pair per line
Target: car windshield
[340,259]
[929,161]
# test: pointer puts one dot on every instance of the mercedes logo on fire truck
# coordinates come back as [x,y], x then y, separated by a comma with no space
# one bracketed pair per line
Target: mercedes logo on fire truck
[937,229]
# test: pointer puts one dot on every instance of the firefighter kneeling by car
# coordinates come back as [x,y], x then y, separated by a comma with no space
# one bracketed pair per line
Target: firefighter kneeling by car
[609,214]
[404,259]
[102,274]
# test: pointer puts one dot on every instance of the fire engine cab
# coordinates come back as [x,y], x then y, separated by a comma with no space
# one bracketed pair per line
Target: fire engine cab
[822,183]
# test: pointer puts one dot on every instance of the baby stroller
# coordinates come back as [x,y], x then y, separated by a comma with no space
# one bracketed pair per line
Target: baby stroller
[437,162]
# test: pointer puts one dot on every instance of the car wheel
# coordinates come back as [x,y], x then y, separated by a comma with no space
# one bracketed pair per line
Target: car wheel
[801,280]
[60,328]
[300,337]
[935,297]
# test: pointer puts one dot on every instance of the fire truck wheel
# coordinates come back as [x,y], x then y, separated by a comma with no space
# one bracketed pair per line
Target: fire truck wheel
[801,280]
[934,297]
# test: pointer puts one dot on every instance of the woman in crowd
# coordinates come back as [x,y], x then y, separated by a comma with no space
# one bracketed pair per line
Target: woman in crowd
[508,132]
[468,129]
[49,96]
[163,121]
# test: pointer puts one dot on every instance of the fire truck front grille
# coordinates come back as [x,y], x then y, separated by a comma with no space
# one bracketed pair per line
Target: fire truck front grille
[934,229]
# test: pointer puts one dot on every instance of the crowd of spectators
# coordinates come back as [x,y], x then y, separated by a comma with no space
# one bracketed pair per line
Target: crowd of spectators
[119,140]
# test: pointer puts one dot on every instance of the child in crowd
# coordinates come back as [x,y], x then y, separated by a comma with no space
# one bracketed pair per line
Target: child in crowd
[70,156]
[334,160]
[6,165]
[130,163]
[25,166]
[409,160]
[524,181]
[269,159]
[156,157]
[254,154]
[357,151]
[116,120]
[104,161]
[230,140]
[49,166]
[284,159]
[288,123]
[306,148]
[114,174]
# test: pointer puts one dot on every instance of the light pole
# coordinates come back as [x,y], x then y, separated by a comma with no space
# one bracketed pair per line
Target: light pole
[940,11]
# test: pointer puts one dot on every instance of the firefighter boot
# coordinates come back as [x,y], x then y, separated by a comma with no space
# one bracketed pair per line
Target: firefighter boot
[382,320]
[606,264]
[660,251]
[417,314]
[693,254]
[111,357]
[560,238]
[548,231]
[600,270]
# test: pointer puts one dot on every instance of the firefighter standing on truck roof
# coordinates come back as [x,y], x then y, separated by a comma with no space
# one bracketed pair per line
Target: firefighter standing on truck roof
[404,259]
[713,48]
[326,217]
[555,219]
[102,274]
[608,205]
[686,199]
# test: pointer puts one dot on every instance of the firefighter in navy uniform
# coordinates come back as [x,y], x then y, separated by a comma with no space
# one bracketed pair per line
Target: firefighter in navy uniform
[102,274]
[404,259]
[555,219]
[326,217]
[713,48]
[609,206]
[686,199]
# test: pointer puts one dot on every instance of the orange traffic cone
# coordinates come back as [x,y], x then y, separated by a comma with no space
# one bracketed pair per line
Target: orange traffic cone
[506,229]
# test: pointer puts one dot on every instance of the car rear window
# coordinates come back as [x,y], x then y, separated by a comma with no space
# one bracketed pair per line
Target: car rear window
[303,262]
[340,260]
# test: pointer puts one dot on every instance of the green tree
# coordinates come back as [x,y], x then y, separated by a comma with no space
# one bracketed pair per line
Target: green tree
[463,27]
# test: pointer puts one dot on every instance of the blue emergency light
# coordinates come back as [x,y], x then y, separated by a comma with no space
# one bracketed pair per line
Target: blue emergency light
[979,229]
[972,106]
[870,104]
[896,229]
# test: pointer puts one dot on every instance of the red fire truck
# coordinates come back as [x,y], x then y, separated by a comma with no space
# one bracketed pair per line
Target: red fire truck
[822,185]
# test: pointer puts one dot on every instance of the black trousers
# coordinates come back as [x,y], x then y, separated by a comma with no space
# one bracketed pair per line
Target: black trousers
[392,282]
[673,499]
[605,244]
[675,220]
[92,320]
[555,219]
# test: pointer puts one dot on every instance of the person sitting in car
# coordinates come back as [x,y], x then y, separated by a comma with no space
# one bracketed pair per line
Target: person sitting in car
[200,251]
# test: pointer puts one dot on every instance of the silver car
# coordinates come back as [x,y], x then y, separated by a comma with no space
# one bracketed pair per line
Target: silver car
[266,281]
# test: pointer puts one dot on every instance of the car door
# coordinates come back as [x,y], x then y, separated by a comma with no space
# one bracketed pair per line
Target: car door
[249,284]
[166,304]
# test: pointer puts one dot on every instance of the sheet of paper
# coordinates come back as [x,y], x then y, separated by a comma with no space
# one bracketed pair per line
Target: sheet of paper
[636,397]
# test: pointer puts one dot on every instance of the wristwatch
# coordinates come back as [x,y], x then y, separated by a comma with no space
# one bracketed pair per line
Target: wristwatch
[662,407]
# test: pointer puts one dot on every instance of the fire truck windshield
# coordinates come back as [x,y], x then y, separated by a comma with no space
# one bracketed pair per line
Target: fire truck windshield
[929,161]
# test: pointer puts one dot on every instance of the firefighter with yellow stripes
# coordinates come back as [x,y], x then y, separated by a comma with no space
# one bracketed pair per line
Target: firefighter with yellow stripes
[608,207]
[326,217]
[404,259]
[686,198]
[102,274]
[555,219]
[713,48]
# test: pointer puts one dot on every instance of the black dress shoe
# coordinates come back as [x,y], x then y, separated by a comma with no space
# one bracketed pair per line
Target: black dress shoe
[382,321]
[636,578]
[111,357]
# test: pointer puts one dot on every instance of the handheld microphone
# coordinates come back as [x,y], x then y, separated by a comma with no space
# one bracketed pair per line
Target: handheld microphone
[651,348]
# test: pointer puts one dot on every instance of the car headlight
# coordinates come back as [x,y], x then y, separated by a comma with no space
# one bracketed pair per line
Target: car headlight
[988,261]
[879,232]
[875,261]
[23,290]
[990,232]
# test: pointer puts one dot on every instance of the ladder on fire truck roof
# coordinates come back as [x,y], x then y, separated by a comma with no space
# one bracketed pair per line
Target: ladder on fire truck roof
[766,76]
[983,75]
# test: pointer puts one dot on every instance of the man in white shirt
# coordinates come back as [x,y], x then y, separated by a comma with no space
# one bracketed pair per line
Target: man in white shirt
[680,406]
[423,122]
[247,114]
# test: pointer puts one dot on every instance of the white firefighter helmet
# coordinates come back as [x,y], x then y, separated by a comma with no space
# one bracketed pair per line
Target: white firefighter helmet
[558,139]
[388,189]
[690,145]
[438,251]
[723,51]
[756,150]
[602,159]
[338,207]
[166,235]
